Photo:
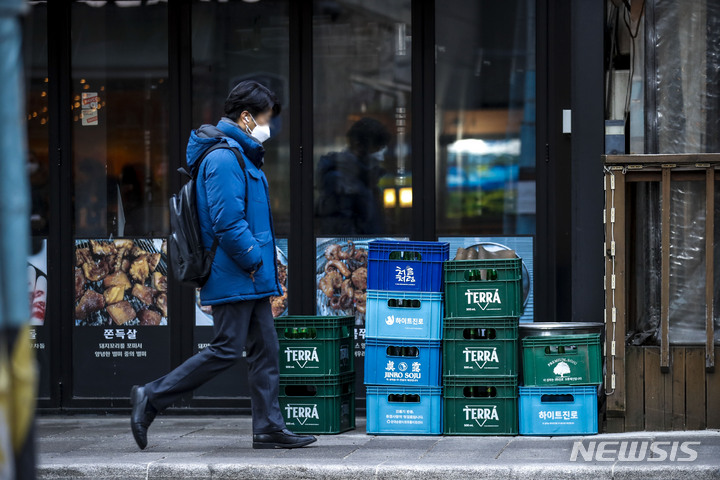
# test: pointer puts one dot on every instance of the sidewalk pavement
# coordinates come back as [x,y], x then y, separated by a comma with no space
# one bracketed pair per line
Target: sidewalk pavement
[201,447]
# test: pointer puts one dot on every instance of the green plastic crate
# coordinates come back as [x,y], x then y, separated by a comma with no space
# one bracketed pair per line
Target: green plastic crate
[315,345]
[480,406]
[326,406]
[321,386]
[483,288]
[562,360]
[480,346]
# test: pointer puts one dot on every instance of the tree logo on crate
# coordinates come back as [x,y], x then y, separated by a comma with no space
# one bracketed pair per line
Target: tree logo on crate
[481,414]
[562,369]
[486,299]
[302,413]
[481,356]
[301,356]
[390,320]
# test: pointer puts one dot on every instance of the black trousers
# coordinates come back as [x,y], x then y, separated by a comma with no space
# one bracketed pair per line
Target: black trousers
[249,325]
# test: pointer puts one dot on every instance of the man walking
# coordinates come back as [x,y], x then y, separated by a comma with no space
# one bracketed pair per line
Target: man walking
[233,209]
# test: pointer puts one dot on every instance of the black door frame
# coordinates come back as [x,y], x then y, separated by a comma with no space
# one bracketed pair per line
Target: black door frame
[554,269]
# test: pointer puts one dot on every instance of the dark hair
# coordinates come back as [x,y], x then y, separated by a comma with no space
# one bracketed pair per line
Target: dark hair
[368,135]
[251,96]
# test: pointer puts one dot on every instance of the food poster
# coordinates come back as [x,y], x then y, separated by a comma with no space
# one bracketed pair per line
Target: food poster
[523,247]
[233,382]
[39,331]
[120,300]
[341,280]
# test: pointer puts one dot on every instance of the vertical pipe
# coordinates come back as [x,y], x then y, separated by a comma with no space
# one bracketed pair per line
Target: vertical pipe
[709,268]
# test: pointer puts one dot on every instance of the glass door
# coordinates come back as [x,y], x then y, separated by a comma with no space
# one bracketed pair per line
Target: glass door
[362,86]
[120,122]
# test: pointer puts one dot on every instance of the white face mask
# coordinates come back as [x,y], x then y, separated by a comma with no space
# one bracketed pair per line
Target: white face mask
[379,155]
[260,132]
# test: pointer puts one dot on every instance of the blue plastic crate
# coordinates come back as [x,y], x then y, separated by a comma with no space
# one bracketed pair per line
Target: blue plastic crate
[406,266]
[558,410]
[404,410]
[402,362]
[404,315]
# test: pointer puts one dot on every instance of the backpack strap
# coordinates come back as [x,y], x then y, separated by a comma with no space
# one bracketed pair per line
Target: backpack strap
[194,172]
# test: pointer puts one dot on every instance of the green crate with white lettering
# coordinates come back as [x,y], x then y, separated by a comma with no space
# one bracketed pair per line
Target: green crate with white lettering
[480,346]
[483,288]
[318,405]
[316,345]
[562,360]
[480,406]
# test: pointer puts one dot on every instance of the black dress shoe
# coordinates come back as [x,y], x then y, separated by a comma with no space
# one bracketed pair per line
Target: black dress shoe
[141,416]
[282,439]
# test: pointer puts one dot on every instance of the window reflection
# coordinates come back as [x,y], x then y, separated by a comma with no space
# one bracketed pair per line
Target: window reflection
[120,118]
[485,91]
[361,67]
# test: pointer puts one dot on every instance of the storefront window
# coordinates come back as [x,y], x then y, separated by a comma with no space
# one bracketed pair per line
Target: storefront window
[231,42]
[485,94]
[120,119]
[236,41]
[120,129]
[361,112]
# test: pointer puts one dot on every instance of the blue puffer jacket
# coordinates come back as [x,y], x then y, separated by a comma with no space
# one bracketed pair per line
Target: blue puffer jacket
[244,240]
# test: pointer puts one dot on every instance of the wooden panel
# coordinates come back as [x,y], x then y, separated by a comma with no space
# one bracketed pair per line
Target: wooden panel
[678,389]
[709,265]
[665,273]
[615,425]
[695,388]
[635,392]
[712,383]
[654,390]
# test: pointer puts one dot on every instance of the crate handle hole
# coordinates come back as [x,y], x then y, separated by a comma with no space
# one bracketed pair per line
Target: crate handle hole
[404,398]
[481,275]
[405,256]
[479,392]
[393,351]
[559,398]
[560,350]
[301,333]
[300,390]
[403,303]
[479,334]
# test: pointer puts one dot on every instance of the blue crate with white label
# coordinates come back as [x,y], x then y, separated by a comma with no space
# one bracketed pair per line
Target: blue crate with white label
[402,362]
[404,315]
[404,410]
[406,266]
[558,410]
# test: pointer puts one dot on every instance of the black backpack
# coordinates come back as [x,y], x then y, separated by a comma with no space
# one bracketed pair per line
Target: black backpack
[190,261]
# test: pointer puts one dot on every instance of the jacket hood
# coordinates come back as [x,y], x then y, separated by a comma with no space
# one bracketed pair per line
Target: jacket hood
[226,131]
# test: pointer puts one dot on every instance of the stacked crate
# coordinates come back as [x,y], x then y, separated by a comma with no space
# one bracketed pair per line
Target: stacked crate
[562,376]
[403,326]
[483,303]
[317,373]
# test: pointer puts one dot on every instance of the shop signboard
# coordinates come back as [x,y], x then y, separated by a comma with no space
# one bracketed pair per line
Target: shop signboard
[39,326]
[121,314]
